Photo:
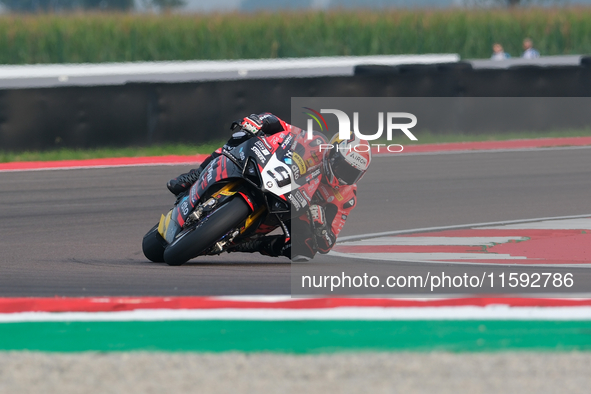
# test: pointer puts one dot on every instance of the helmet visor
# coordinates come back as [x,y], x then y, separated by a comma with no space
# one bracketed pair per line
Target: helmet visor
[344,171]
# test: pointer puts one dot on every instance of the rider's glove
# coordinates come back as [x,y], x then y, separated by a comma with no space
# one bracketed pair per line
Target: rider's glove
[264,123]
[318,219]
[252,124]
[325,239]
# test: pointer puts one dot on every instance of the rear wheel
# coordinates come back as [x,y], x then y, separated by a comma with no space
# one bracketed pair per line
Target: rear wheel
[193,241]
[153,245]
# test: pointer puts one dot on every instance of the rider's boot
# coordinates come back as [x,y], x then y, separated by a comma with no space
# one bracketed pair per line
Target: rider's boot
[183,182]
[269,246]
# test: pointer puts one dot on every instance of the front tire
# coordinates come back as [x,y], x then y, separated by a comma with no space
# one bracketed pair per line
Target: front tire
[193,241]
[153,245]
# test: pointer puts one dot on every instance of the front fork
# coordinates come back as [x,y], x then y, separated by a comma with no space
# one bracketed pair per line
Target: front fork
[169,228]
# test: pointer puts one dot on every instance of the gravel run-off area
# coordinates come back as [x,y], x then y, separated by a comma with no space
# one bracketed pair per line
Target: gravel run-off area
[143,372]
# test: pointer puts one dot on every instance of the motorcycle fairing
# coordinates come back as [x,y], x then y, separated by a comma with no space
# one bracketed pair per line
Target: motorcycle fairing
[220,168]
[258,167]
[169,226]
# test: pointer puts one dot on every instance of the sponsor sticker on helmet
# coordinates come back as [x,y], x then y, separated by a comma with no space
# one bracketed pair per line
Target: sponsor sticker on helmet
[357,160]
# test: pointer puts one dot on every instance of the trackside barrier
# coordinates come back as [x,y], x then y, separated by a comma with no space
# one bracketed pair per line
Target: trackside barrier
[145,113]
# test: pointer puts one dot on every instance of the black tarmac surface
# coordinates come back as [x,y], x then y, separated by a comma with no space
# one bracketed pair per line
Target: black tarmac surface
[78,232]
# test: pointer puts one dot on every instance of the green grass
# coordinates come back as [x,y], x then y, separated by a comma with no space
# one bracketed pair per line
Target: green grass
[104,37]
[424,137]
[81,154]
[298,336]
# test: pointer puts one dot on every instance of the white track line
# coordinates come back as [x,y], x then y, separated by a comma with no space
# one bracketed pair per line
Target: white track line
[509,264]
[455,152]
[436,256]
[455,227]
[559,222]
[493,312]
[434,241]
[565,224]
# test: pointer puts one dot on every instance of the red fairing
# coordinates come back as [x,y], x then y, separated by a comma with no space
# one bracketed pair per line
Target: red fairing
[265,229]
[276,139]
[214,172]
[286,126]
[179,218]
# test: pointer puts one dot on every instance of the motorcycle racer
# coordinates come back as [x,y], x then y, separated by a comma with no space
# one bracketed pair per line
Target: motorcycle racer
[320,205]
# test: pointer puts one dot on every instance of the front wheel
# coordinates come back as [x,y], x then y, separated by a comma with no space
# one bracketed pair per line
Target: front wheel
[153,245]
[193,241]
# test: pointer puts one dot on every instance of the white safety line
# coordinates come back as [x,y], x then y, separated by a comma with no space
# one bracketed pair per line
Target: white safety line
[455,227]
[456,152]
[435,241]
[565,224]
[437,256]
[393,238]
[508,264]
[493,312]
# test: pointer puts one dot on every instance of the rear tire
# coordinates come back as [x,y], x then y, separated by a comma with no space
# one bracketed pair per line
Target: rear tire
[153,245]
[193,241]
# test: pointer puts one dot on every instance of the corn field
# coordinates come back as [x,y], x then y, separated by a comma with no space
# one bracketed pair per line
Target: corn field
[94,38]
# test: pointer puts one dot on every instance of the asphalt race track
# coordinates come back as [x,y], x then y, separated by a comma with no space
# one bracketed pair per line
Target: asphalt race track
[78,232]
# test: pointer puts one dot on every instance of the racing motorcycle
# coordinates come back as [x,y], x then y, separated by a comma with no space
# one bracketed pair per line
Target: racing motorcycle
[242,194]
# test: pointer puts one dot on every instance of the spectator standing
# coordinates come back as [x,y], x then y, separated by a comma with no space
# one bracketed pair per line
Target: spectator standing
[499,53]
[529,51]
